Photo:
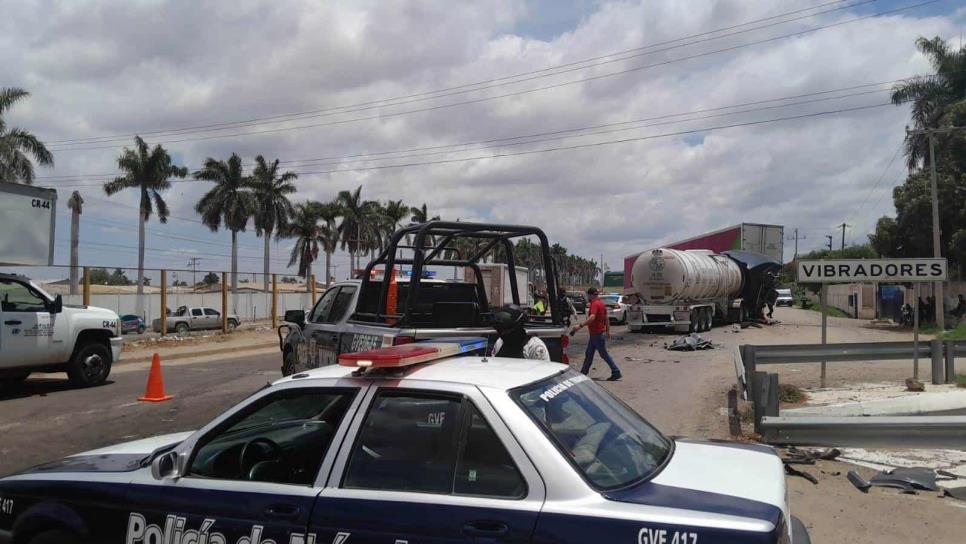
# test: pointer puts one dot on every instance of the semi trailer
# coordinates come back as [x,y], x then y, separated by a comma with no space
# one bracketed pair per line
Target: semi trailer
[690,290]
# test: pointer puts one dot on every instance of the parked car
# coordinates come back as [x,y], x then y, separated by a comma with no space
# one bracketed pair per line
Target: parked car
[579,301]
[39,333]
[132,323]
[467,449]
[616,307]
[785,298]
[186,319]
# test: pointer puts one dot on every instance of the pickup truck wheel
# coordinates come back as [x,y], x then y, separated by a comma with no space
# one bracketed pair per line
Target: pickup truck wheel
[140,329]
[232,324]
[90,365]
[181,328]
[55,537]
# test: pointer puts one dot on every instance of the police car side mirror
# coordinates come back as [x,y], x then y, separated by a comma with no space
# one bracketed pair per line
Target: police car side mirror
[295,316]
[165,466]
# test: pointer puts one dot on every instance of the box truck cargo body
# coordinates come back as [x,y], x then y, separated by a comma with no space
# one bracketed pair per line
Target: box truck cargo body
[496,281]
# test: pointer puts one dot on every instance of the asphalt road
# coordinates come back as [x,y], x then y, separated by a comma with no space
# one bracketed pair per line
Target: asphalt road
[46,418]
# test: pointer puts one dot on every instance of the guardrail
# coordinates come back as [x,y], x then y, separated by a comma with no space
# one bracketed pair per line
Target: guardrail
[761,388]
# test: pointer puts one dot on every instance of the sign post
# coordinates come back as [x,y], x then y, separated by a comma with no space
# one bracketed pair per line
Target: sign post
[873,271]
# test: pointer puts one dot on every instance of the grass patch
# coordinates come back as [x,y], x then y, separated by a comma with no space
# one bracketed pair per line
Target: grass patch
[832,310]
[959,333]
[961,380]
[791,394]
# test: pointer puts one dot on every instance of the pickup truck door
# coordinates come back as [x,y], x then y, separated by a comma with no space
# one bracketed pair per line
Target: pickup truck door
[197,319]
[212,318]
[26,325]
[326,324]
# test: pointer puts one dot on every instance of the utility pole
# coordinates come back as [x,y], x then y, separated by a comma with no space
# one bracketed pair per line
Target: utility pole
[829,236]
[193,263]
[796,239]
[936,249]
[844,226]
[76,207]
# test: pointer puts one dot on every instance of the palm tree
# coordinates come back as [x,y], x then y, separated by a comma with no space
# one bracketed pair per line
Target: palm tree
[329,234]
[75,203]
[303,225]
[421,215]
[229,201]
[356,223]
[932,96]
[147,171]
[394,213]
[17,145]
[272,206]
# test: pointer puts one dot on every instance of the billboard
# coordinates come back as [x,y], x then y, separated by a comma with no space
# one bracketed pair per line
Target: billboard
[27,219]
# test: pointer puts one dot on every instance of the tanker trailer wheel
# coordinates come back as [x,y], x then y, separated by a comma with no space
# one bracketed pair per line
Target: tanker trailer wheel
[708,319]
[693,318]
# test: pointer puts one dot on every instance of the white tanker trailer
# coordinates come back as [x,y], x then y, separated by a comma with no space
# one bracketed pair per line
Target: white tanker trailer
[690,290]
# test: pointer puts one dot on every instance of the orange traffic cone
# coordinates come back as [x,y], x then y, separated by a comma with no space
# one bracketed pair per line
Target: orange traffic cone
[155,389]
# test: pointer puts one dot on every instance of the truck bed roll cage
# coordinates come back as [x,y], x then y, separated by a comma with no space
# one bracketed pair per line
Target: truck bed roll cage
[430,241]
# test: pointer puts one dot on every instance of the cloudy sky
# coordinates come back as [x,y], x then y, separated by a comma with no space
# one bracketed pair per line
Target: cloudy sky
[645,122]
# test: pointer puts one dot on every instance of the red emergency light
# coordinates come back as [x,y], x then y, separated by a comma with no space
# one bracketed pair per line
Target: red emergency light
[411,354]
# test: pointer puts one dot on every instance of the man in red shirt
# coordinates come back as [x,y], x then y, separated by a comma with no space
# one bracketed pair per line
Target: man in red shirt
[599,328]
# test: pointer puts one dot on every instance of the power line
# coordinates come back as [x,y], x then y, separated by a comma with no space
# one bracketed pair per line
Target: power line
[583,146]
[562,132]
[521,92]
[424,95]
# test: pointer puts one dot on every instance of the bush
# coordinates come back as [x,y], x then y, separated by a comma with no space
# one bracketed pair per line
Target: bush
[791,394]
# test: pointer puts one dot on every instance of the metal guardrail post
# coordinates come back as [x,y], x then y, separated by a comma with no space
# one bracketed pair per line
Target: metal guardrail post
[824,299]
[734,418]
[760,398]
[87,286]
[274,301]
[164,302]
[224,302]
[936,352]
[771,405]
[950,361]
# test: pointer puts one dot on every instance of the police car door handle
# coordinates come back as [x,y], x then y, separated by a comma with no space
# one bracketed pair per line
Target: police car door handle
[283,511]
[485,529]
[13,322]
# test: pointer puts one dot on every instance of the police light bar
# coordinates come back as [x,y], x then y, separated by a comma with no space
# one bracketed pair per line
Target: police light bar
[411,354]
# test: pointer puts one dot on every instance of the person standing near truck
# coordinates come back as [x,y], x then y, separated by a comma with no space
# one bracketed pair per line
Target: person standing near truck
[598,325]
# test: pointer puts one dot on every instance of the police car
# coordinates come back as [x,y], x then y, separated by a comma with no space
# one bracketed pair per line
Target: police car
[396,445]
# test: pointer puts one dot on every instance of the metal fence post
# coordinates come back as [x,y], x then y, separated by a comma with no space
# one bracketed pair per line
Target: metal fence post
[824,302]
[274,301]
[87,286]
[950,361]
[164,302]
[938,372]
[224,302]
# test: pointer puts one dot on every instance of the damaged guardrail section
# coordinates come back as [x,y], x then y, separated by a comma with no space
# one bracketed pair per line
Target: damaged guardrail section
[761,388]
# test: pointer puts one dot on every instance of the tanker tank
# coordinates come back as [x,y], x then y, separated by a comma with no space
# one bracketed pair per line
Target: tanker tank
[665,276]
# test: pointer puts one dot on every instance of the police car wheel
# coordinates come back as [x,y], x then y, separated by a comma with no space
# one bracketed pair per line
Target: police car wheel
[289,361]
[55,537]
[90,365]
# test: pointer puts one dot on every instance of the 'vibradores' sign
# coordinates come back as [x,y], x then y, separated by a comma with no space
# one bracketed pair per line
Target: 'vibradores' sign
[866,270]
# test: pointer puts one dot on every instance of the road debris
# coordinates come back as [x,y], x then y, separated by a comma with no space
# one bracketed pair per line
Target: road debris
[692,342]
[792,471]
[913,384]
[859,482]
[795,456]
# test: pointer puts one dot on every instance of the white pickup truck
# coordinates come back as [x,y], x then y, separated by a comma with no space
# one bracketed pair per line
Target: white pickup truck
[39,334]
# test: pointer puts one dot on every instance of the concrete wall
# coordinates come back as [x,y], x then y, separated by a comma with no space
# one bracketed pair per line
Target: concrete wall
[247,306]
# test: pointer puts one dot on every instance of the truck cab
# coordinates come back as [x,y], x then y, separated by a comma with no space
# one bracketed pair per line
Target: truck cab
[38,333]
[412,303]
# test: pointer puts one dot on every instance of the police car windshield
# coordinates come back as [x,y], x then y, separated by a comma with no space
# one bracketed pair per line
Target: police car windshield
[609,443]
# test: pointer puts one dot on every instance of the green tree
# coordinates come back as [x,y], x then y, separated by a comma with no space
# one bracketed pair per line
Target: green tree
[272,205]
[17,146]
[148,171]
[304,227]
[211,279]
[229,201]
[360,226]
[329,236]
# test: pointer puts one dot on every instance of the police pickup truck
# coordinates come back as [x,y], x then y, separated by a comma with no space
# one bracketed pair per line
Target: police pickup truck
[392,309]
[38,333]
[393,446]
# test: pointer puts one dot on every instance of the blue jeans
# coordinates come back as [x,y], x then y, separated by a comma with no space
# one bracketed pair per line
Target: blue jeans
[598,343]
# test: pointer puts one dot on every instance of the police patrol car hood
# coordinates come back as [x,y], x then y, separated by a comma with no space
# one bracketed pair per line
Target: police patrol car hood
[730,478]
[124,457]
